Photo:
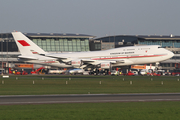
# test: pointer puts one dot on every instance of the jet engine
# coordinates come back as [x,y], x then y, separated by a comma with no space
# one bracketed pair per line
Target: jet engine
[76,63]
[105,65]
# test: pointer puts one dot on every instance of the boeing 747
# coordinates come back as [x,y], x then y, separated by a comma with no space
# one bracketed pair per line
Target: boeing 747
[123,56]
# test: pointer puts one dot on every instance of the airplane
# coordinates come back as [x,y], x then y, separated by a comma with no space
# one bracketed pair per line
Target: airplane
[115,57]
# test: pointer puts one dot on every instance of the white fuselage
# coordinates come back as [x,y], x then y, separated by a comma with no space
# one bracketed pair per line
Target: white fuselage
[118,56]
[130,55]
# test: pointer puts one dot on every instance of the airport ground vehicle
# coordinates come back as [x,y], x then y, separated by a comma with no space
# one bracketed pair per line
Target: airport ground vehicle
[130,73]
[76,71]
[21,73]
[38,71]
[1,71]
[56,71]
[114,72]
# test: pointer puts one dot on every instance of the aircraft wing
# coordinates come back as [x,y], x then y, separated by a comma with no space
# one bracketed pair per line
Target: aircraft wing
[55,56]
[96,62]
[85,62]
[124,62]
[113,62]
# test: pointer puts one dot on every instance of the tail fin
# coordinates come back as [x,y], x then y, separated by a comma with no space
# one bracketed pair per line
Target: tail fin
[25,45]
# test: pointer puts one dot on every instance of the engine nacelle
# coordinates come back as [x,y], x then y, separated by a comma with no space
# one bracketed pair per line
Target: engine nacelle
[105,65]
[76,63]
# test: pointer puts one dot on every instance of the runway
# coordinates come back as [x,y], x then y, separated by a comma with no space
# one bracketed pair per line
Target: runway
[87,98]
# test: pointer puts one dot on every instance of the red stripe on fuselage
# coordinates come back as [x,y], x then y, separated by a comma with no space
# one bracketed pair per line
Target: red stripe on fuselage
[126,57]
[23,43]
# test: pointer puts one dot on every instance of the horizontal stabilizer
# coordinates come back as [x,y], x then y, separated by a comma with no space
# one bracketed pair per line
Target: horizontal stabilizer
[28,57]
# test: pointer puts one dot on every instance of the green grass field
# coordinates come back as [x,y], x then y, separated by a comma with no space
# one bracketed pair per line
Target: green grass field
[60,84]
[23,85]
[93,111]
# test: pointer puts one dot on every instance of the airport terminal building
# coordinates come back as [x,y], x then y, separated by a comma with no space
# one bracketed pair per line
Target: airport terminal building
[170,42]
[52,42]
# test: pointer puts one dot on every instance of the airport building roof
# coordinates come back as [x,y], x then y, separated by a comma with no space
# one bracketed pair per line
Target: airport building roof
[146,37]
[59,35]
[50,35]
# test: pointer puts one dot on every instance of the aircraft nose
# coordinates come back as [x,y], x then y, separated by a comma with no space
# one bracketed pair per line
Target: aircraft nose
[171,54]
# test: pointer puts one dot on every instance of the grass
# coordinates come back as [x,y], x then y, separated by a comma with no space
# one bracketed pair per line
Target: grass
[93,111]
[23,85]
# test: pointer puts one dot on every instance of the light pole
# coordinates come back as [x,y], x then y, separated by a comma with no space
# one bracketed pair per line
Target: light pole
[2,55]
[7,64]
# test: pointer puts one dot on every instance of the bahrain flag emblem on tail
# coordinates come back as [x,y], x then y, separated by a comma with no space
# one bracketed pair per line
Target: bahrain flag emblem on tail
[23,43]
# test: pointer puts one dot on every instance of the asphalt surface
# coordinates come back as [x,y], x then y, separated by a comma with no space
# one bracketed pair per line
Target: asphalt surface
[87,98]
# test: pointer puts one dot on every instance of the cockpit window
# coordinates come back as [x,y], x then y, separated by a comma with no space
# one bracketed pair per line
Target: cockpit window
[159,47]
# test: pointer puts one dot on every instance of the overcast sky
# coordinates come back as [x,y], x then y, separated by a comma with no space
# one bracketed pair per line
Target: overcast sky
[93,17]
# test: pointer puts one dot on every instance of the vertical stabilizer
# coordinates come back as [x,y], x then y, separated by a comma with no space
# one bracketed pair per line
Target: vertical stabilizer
[25,45]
